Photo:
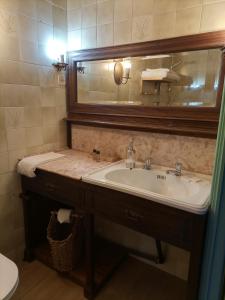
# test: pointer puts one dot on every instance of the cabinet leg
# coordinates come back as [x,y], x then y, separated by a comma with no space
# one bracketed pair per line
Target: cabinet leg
[195,260]
[89,290]
[28,252]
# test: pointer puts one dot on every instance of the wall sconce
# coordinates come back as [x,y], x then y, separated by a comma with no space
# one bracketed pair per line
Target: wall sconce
[60,65]
[80,68]
[122,72]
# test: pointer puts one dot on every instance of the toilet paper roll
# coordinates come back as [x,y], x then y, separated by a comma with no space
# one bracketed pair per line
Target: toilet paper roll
[63,215]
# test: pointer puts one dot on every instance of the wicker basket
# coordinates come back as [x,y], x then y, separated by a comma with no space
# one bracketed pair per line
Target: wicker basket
[66,242]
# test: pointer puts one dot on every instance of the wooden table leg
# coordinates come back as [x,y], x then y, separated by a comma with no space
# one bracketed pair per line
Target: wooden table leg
[195,259]
[89,290]
[28,252]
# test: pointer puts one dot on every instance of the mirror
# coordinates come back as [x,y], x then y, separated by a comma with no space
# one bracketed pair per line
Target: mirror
[177,79]
[171,86]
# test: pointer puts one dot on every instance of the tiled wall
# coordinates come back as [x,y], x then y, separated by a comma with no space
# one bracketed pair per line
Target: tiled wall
[195,154]
[97,23]
[32,104]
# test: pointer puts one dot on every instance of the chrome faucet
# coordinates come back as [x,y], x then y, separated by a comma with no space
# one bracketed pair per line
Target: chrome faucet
[130,161]
[148,164]
[177,171]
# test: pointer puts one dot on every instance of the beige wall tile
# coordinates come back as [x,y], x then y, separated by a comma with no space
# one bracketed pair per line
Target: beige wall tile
[26,26]
[142,28]
[105,35]
[62,138]
[11,95]
[122,32]
[10,72]
[14,117]
[28,29]
[7,181]
[43,57]
[14,156]
[211,1]
[74,40]
[34,136]
[47,77]
[8,23]
[45,33]
[29,74]
[15,138]
[73,4]
[50,134]
[60,114]
[60,97]
[213,17]
[89,37]
[74,19]
[48,96]
[188,21]
[166,28]
[9,47]
[164,6]
[32,116]
[29,52]
[4,163]
[31,95]
[59,18]
[60,34]
[48,115]
[105,12]
[122,10]
[181,4]
[2,118]
[27,7]
[44,11]
[60,3]
[89,16]
[3,141]
[143,7]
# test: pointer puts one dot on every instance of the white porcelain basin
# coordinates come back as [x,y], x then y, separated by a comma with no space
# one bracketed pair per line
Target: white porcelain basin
[188,192]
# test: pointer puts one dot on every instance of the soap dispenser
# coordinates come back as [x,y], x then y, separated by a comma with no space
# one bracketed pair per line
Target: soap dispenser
[130,160]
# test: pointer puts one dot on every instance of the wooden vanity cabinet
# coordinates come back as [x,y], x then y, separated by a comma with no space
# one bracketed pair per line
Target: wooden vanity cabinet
[177,227]
[180,228]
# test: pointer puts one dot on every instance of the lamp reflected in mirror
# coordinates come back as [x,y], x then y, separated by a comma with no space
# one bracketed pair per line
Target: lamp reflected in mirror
[122,72]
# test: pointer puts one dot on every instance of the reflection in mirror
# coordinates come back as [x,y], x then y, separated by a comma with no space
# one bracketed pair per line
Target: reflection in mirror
[178,79]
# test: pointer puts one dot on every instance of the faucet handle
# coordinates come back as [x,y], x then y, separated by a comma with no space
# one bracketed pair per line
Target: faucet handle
[131,145]
[148,163]
[178,167]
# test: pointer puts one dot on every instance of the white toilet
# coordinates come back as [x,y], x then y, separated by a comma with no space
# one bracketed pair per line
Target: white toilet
[9,278]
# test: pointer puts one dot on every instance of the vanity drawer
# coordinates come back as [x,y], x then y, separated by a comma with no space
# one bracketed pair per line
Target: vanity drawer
[57,187]
[159,221]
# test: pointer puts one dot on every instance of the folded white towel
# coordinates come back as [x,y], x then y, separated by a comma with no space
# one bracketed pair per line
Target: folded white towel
[160,74]
[28,165]
[64,215]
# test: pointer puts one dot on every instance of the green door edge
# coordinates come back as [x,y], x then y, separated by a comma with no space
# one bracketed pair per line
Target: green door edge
[212,278]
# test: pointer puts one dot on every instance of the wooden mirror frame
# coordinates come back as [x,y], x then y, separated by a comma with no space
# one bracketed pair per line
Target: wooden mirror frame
[190,121]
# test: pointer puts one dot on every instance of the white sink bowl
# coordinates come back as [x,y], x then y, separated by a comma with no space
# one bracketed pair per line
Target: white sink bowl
[188,192]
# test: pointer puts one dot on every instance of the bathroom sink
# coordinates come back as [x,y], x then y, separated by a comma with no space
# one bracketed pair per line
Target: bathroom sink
[188,192]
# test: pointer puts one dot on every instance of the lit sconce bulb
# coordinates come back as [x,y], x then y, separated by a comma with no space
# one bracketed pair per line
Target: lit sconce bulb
[111,66]
[56,50]
[127,67]
[127,64]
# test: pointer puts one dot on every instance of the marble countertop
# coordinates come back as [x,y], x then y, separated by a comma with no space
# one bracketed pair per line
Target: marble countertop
[75,164]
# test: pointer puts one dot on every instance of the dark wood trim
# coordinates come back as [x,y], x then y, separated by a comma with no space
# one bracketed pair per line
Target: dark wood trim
[200,122]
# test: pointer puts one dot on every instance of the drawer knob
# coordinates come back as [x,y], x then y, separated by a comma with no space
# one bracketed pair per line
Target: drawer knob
[132,215]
